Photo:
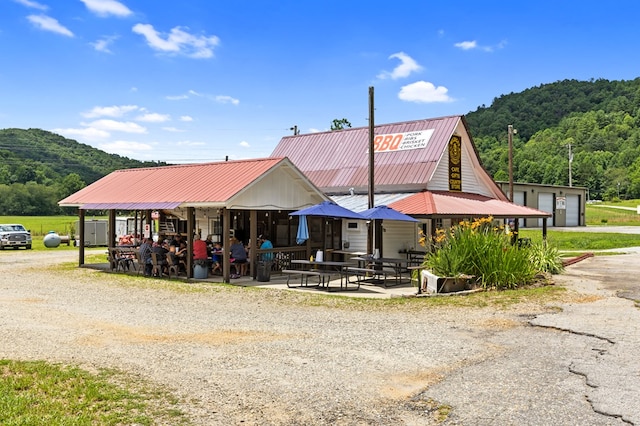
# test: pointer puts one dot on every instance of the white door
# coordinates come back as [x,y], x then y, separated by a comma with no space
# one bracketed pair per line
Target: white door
[545,203]
[573,210]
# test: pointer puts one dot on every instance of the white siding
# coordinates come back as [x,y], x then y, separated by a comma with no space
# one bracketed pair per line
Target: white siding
[277,190]
[469,166]
[357,238]
[398,236]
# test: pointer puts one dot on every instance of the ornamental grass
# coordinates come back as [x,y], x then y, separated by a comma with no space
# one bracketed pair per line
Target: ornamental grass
[484,250]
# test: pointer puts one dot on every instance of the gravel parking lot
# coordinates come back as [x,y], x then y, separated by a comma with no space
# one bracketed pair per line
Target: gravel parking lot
[271,357]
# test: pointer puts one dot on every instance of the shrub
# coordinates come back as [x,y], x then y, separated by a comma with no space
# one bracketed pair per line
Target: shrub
[484,250]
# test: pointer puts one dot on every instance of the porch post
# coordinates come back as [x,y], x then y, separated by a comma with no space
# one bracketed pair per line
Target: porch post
[253,236]
[81,233]
[111,229]
[226,236]
[191,229]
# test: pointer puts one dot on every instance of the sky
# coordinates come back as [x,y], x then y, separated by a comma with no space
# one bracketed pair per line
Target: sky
[205,80]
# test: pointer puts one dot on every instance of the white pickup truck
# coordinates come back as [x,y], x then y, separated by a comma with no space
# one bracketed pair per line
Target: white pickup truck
[14,235]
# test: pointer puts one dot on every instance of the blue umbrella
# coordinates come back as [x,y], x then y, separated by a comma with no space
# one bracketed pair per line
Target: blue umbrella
[303,230]
[386,213]
[329,209]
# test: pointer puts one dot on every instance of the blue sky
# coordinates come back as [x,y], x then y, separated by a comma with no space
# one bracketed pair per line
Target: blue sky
[199,80]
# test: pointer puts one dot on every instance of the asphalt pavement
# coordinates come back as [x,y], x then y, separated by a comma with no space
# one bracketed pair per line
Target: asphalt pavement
[576,366]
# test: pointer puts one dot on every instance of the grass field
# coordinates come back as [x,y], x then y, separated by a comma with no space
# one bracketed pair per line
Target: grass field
[598,214]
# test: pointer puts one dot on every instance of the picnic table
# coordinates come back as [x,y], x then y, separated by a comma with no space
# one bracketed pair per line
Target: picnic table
[323,270]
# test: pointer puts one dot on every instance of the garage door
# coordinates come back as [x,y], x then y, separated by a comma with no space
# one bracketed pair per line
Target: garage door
[573,210]
[545,203]
[518,198]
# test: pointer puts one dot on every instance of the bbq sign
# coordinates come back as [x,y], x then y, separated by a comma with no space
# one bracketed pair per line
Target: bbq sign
[402,141]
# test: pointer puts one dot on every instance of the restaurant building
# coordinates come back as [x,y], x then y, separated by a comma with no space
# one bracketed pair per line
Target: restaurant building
[429,169]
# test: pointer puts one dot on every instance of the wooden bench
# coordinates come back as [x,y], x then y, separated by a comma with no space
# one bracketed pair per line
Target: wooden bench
[304,276]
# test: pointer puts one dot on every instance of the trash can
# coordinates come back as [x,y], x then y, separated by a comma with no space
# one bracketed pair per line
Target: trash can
[200,272]
[263,271]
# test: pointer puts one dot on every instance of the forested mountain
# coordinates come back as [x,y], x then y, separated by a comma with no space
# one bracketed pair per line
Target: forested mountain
[598,122]
[38,168]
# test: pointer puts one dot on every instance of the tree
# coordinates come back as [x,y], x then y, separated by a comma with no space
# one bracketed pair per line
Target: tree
[340,124]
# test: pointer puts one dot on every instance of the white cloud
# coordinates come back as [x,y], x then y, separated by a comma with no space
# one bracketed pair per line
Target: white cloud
[176,97]
[424,92]
[88,133]
[178,41]
[107,7]
[49,24]
[154,118]
[406,67]
[172,129]
[110,111]
[470,45]
[125,148]
[227,100]
[466,45]
[116,126]
[32,4]
[102,45]
[186,118]
[244,144]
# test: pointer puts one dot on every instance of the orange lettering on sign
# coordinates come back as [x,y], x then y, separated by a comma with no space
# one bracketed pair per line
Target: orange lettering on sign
[376,143]
[396,142]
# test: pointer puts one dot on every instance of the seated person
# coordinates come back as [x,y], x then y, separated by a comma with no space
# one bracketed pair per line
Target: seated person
[216,258]
[265,243]
[199,249]
[238,255]
[161,256]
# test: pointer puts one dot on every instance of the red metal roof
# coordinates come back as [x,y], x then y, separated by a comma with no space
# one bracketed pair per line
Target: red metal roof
[442,203]
[338,160]
[182,184]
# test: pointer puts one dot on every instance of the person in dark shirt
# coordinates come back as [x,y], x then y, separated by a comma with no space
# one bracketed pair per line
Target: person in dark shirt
[145,256]
[161,256]
[238,253]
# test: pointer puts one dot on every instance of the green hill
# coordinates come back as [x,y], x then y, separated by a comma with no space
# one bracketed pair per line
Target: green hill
[38,168]
[599,121]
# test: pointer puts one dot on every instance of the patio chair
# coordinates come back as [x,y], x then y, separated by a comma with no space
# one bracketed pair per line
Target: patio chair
[156,271]
[172,267]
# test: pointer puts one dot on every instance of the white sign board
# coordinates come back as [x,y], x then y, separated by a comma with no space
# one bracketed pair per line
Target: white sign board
[402,141]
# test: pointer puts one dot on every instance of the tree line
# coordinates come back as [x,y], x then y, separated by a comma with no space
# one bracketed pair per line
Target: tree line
[592,126]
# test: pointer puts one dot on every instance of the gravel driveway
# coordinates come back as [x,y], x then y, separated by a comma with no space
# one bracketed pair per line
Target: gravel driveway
[270,357]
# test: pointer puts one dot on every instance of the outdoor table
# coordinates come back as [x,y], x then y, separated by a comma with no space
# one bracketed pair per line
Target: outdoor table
[325,267]
[398,266]
[416,257]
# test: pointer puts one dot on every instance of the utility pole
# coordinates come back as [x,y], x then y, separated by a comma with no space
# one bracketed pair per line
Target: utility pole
[570,161]
[510,132]
[370,235]
[295,130]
